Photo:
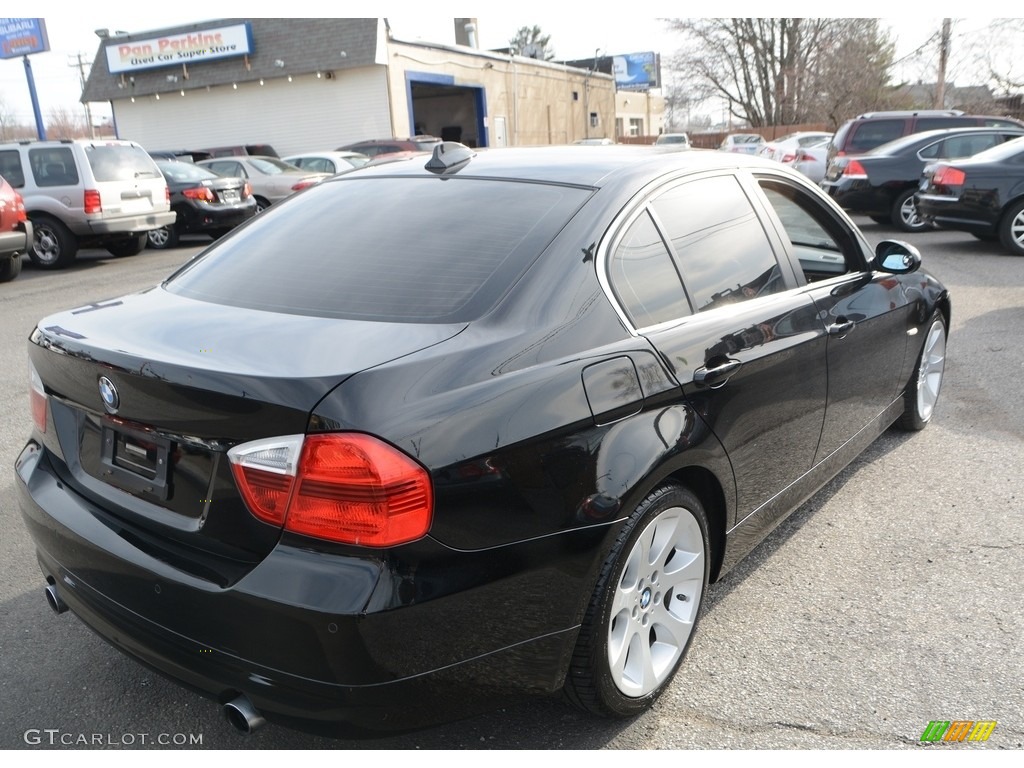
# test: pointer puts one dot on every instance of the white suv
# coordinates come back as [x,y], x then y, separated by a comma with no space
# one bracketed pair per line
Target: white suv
[86,193]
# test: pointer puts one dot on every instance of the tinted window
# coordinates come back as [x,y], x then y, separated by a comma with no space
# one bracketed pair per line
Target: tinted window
[182,172]
[399,250]
[120,163]
[965,146]
[724,254]
[869,135]
[643,277]
[928,123]
[53,166]
[10,167]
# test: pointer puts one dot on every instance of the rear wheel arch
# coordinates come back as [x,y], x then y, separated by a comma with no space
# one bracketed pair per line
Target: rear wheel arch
[704,484]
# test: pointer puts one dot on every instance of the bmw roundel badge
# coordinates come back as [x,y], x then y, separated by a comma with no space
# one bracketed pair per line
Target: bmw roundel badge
[108,393]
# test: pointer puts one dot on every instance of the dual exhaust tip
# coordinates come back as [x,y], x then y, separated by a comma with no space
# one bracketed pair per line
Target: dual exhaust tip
[240,712]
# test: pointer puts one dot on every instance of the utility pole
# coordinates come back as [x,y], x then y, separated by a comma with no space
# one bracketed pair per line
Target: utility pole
[940,90]
[76,61]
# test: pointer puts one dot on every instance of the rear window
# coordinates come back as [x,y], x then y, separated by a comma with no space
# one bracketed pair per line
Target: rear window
[385,249]
[121,162]
[870,134]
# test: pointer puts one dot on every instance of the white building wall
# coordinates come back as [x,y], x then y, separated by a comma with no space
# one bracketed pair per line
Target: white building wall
[350,106]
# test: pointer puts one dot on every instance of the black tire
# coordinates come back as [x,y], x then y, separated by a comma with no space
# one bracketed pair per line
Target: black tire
[10,268]
[131,246]
[881,219]
[986,238]
[1011,229]
[261,203]
[922,390]
[163,238]
[904,215]
[53,244]
[628,612]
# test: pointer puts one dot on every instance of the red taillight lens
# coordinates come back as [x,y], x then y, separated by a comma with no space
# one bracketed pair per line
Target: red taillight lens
[19,207]
[854,168]
[946,176]
[92,201]
[199,193]
[789,157]
[167,194]
[246,190]
[37,398]
[303,184]
[344,487]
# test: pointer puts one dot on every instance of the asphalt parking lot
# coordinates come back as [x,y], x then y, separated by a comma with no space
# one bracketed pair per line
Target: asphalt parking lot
[890,599]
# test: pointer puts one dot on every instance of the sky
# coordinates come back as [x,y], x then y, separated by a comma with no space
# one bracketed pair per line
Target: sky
[574,34]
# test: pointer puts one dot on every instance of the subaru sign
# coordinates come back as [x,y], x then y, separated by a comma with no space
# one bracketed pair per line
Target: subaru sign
[20,37]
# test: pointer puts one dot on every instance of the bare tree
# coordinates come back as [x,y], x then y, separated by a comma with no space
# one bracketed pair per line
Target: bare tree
[64,124]
[771,71]
[532,42]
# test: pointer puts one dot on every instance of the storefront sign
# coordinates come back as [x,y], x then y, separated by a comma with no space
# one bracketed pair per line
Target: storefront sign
[19,37]
[184,48]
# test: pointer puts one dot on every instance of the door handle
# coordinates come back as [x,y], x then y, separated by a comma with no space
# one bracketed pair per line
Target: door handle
[841,328]
[716,376]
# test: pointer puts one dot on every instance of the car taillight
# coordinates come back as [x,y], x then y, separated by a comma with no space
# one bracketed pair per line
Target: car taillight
[947,176]
[199,193]
[93,204]
[303,184]
[854,168]
[789,157]
[37,398]
[19,207]
[246,190]
[167,195]
[345,487]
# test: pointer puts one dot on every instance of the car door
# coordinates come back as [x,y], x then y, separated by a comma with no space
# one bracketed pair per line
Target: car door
[867,314]
[697,273]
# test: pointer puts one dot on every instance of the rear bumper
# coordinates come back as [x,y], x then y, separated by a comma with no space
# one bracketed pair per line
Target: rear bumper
[203,218]
[131,224]
[859,196]
[16,242]
[953,213]
[308,636]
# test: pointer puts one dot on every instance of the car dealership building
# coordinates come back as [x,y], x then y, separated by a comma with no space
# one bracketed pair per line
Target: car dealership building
[302,84]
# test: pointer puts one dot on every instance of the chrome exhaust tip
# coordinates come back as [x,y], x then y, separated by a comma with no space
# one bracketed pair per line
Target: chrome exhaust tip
[53,599]
[243,715]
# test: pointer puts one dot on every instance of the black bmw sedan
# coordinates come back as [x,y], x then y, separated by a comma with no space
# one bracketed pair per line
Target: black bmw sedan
[881,183]
[982,195]
[206,203]
[493,433]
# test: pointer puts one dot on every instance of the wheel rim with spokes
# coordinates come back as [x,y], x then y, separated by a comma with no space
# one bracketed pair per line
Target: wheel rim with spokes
[929,375]
[46,246]
[1017,229]
[655,602]
[159,237]
[909,214]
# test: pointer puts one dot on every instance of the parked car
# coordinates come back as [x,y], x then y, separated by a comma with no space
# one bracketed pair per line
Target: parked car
[86,193]
[375,147]
[743,143]
[257,150]
[881,183]
[188,155]
[872,129]
[396,465]
[783,150]
[205,203]
[271,179]
[982,195]
[601,142]
[810,160]
[673,141]
[15,231]
[331,161]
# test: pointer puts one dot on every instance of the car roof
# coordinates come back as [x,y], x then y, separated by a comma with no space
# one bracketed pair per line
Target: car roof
[580,165]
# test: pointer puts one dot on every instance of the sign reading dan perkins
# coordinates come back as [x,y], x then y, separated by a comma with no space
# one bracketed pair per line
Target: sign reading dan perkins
[182,48]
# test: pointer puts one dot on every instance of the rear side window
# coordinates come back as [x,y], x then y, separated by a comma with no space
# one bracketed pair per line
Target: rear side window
[930,123]
[53,166]
[643,277]
[119,162]
[10,167]
[385,249]
[873,133]
[724,254]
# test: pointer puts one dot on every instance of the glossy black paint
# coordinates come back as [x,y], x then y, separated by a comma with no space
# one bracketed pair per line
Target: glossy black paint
[229,208]
[543,424]
[895,168]
[994,183]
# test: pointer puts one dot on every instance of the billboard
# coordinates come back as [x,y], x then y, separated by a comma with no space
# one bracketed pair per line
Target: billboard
[182,48]
[635,71]
[19,37]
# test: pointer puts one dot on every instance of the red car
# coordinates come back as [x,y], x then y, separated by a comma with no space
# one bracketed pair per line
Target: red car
[15,231]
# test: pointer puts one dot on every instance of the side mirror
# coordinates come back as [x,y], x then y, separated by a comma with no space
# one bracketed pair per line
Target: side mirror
[897,257]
